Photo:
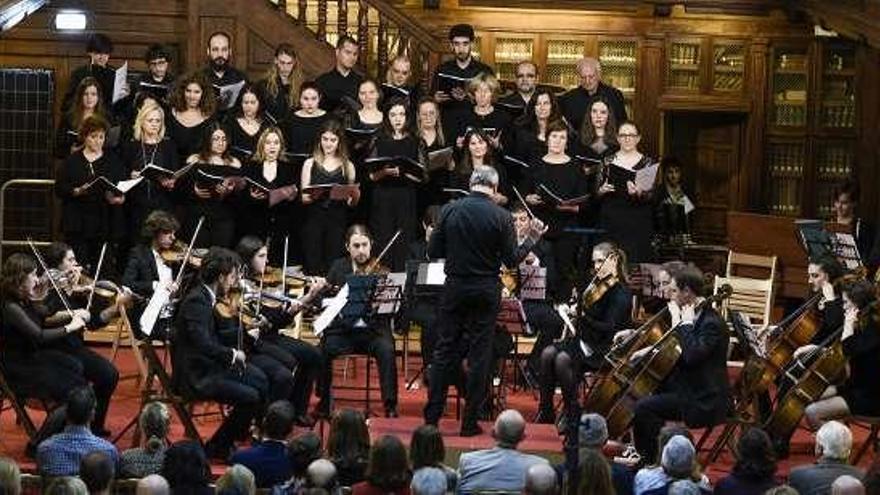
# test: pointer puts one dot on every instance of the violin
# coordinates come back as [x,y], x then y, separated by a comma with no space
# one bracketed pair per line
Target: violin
[233,305]
[603,281]
[176,253]
[373,267]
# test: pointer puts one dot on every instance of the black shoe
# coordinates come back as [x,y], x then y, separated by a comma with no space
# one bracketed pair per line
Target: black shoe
[471,430]
[391,412]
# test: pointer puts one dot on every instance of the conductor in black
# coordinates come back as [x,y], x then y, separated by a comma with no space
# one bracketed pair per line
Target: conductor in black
[475,236]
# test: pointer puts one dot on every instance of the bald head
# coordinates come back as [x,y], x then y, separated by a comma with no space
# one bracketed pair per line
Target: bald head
[321,474]
[540,480]
[847,485]
[152,485]
[510,427]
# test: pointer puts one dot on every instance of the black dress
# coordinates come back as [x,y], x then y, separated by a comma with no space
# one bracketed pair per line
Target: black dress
[301,133]
[189,140]
[522,143]
[393,203]
[325,223]
[628,220]
[591,158]
[218,229]
[862,389]
[497,119]
[262,219]
[242,145]
[277,106]
[148,195]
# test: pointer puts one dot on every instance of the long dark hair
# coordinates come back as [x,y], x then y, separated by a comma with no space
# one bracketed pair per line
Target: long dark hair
[530,119]
[16,268]
[186,466]
[388,468]
[177,100]
[756,460]
[75,114]
[386,122]
[349,440]
[426,448]
[207,140]
[466,165]
[247,248]
[588,133]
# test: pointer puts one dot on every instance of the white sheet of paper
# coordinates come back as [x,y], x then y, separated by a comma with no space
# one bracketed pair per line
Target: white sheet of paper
[436,274]
[332,307]
[646,177]
[229,94]
[688,205]
[126,185]
[119,82]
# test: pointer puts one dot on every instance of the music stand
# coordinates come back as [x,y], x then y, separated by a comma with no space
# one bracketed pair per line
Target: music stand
[512,317]
[424,286]
[817,242]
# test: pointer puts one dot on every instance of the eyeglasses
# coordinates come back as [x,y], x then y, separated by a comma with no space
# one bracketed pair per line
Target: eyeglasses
[633,136]
[521,76]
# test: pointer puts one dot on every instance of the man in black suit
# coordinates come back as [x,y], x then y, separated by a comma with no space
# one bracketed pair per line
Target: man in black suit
[146,271]
[219,71]
[697,390]
[204,367]
[339,86]
[526,83]
[356,329]
[575,103]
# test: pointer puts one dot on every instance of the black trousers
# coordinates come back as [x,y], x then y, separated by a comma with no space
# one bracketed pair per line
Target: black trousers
[323,236]
[469,311]
[245,391]
[376,343]
[544,322]
[651,413]
[304,357]
[103,376]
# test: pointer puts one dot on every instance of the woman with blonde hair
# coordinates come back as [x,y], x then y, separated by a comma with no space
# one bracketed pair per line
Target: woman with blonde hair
[495,122]
[154,422]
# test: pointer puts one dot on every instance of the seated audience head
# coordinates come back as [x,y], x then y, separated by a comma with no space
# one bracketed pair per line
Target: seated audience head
[540,480]
[347,50]
[302,451]
[237,480]
[461,36]
[155,420]
[594,474]
[834,441]
[667,432]
[81,403]
[185,466]
[678,458]
[349,438]
[359,244]
[67,485]
[756,459]
[872,478]
[684,487]
[428,481]
[388,468]
[592,431]
[484,177]
[97,470]
[10,477]
[426,448]
[509,429]
[278,420]
[160,228]
[153,484]
[321,474]
[847,485]
[781,490]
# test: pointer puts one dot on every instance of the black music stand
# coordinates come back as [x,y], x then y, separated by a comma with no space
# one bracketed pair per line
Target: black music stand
[512,317]
[424,287]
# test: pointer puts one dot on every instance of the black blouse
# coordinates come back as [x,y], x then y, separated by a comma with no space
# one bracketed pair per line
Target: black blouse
[301,133]
[23,333]
[567,181]
[241,144]
[189,140]
[408,146]
[88,215]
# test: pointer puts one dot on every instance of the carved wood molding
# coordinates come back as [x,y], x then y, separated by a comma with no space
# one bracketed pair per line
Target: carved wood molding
[858,19]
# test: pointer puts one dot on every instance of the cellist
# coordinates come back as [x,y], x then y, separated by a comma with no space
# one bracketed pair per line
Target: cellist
[599,320]
[860,392]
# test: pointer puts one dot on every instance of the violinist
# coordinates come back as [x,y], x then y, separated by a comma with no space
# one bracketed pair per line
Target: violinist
[697,390]
[96,369]
[354,331]
[605,308]
[206,368]
[147,269]
[860,393]
[293,353]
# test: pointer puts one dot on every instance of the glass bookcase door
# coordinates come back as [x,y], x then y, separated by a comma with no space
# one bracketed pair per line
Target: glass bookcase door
[786,162]
[562,57]
[790,69]
[838,99]
[619,67]
[683,66]
[509,52]
[728,66]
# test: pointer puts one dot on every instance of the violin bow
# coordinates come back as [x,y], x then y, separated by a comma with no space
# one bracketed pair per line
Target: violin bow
[188,252]
[382,254]
[97,274]
[523,202]
[45,268]
[284,266]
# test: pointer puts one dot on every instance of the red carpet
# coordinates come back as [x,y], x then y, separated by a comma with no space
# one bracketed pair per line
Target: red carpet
[540,438]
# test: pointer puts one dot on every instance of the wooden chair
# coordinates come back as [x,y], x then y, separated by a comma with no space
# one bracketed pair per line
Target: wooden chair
[8,395]
[750,266]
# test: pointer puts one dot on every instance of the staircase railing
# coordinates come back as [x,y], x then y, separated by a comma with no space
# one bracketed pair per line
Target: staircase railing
[382,33]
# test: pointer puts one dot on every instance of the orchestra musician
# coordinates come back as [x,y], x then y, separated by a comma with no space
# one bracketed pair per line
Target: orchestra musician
[355,331]
[475,236]
[203,366]
[697,390]
[303,359]
[279,90]
[598,321]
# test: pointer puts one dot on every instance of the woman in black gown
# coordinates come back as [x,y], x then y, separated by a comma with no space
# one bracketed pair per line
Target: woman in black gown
[430,130]
[88,100]
[527,140]
[597,141]
[246,125]
[477,151]
[301,127]
[494,121]
[326,218]
[192,112]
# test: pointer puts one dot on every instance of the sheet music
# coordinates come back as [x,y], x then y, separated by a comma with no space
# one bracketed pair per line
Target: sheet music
[646,177]
[436,274]
[119,82]
[534,282]
[332,307]
[389,293]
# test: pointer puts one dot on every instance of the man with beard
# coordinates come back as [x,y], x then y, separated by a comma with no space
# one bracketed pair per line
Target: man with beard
[451,93]
[219,71]
[526,78]
[342,80]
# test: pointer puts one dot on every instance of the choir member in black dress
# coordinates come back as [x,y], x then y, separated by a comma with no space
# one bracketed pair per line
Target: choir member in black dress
[96,369]
[529,133]
[98,47]
[246,124]
[326,218]
[219,71]
[859,394]
[270,212]
[192,113]
[673,206]
[368,115]
[342,80]
[477,151]
[845,212]
[627,215]
[484,114]
[598,134]
[558,174]
[453,98]
[32,367]
[217,204]
[303,359]
[397,82]
[393,204]
[87,100]
[356,329]
[431,132]
[279,90]
[149,146]
[301,128]
[207,369]
[565,362]
[576,102]
[90,214]
[526,79]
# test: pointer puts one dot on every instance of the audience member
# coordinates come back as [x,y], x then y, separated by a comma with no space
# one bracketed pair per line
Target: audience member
[322,474]
[138,462]
[268,459]
[833,445]
[302,451]
[153,484]
[67,485]
[592,436]
[540,480]
[388,471]
[186,469]
[684,487]
[426,449]
[847,485]
[500,468]
[60,454]
[348,446]
[594,475]
[652,477]
[781,490]
[872,478]
[679,462]
[237,480]
[97,471]
[755,468]
[429,481]
[10,477]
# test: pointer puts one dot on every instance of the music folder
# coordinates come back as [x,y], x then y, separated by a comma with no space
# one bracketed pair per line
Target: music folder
[156,173]
[391,91]
[514,110]
[227,95]
[619,176]
[555,199]
[117,189]
[446,82]
[408,166]
[515,161]
[440,159]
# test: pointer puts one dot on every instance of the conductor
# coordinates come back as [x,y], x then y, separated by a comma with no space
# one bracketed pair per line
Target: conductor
[475,236]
